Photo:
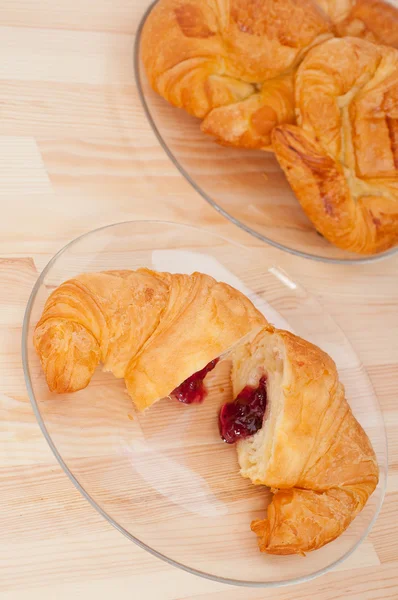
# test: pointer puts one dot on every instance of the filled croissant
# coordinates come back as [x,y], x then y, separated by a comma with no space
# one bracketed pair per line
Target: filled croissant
[231,63]
[155,330]
[309,449]
[372,20]
[163,333]
[342,157]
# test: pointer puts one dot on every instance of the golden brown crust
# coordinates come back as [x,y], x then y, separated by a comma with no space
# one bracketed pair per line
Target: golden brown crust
[153,329]
[336,10]
[372,20]
[69,354]
[97,317]
[342,158]
[299,521]
[228,57]
[249,123]
[321,464]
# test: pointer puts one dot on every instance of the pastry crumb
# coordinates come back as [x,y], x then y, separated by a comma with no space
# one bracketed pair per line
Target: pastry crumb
[130,416]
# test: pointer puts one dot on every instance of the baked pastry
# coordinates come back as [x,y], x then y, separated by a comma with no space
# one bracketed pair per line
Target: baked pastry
[372,20]
[155,330]
[342,157]
[231,63]
[163,333]
[309,448]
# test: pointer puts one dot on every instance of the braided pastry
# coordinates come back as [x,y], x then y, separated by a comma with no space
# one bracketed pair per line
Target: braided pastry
[231,62]
[342,158]
[372,20]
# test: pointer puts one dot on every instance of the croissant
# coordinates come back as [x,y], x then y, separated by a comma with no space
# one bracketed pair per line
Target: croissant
[163,333]
[231,63]
[342,158]
[310,449]
[372,20]
[155,330]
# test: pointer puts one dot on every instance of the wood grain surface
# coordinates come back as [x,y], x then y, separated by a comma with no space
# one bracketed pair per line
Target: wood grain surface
[76,153]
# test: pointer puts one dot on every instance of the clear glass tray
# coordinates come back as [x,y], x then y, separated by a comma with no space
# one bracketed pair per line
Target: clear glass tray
[248,187]
[164,478]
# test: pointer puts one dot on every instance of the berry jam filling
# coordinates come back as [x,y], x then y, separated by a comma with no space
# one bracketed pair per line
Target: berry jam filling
[193,390]
[244,416]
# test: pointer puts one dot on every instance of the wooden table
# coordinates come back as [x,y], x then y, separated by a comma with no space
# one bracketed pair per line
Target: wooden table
[67,165]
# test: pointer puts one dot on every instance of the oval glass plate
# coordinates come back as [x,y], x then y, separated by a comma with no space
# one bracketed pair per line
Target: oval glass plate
[164,478]
[248,187]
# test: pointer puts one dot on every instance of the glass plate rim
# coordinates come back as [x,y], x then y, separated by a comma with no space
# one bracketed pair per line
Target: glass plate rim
[86,495]
[209,200]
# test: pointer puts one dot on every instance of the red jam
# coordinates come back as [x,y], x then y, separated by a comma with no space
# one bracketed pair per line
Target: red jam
[244,416]
[193,390]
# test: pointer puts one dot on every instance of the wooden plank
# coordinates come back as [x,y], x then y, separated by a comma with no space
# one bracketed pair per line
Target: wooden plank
[76,153]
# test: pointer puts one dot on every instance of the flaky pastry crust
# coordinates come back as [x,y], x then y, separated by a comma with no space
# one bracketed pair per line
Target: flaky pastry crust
[342,157]
[310,450]
[372,20]
[152,329]
[231,62]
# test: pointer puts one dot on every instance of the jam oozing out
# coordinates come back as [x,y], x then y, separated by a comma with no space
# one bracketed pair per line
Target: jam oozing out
[244,416]
[193,389]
